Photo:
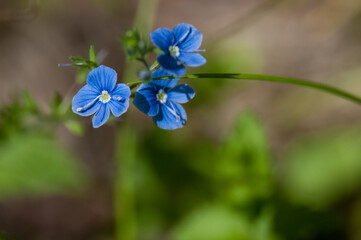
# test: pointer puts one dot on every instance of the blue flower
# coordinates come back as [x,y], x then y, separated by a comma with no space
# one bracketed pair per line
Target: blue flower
[160,99]
[180,48]
[101,95]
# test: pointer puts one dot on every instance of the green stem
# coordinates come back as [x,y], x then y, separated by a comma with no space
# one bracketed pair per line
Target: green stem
[133,85]
[124,185]
[268,78]
[144,61]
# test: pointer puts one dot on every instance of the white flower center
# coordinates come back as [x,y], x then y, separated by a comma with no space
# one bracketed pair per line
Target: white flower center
[105,97]
[162,96]
[174,51]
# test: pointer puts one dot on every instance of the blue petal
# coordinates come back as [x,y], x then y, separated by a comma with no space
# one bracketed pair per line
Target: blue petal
[181,32]
[166,83]
[193,40]
[86,102]
[119,107]
[171,116]
[181,93]
[192,59]
[102,78]
[101,116]
[171,64]
[146,100]
[162,38]
[121,90]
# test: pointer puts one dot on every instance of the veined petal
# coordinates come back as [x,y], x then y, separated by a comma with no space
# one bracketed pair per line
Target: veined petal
[101,116]
[192,59]
[118,107]
[102,78]
[181,93]
[162,38]
[86,102]
[193,40]
[171,64]
[171,116]
[121,90]
[145,100]
[181,32]
[166,83]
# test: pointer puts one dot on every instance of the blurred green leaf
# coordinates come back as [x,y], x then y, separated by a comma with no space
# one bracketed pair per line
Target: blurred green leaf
[78,60]
[81,75]
[29,102]
[213,223]
[75,127]
[241,168]
[4,236]
[36,165]
[321,168]
[92,56]
[55,104]
[246,161]
[130,43]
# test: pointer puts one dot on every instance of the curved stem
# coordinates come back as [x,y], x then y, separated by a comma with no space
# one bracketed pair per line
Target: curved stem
[268,78]
[135,84]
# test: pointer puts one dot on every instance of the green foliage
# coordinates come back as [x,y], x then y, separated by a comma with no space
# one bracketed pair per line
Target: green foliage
[75,127]
[221,222]
[4,236]
[321,169]
[92,57]
[34,165]
[126,158]
[135,46]
[241,167]
[18,116]
[85,65]
[213,223]
[217,192]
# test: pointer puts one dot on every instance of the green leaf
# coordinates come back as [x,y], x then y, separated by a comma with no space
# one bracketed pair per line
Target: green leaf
[246,161]
[4,236]
[75,127]
[213,222]
[81,75]
[154,65]
[29,102]
[130,43]
[92,57]
[55,104]
[78,60]
[33,165]
[82,63]
[156,50]
[322,168]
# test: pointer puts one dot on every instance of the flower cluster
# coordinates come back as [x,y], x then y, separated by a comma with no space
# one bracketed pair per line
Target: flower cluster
[159,99]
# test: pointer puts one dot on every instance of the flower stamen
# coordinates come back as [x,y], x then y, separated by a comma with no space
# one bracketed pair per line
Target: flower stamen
[174,51]
[162,96]
[104,97]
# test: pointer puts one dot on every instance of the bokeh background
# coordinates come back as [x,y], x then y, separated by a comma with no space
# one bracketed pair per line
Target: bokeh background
[256,161]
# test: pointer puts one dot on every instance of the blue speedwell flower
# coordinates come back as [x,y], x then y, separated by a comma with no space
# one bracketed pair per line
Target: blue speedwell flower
[180,48]
[101,95]
[160,99]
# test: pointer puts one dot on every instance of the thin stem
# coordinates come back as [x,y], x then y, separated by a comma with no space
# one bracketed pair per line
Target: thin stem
[268,78]
[142,60]
[133,85]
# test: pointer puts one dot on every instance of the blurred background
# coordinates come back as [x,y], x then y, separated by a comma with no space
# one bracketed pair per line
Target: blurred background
[256,160]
